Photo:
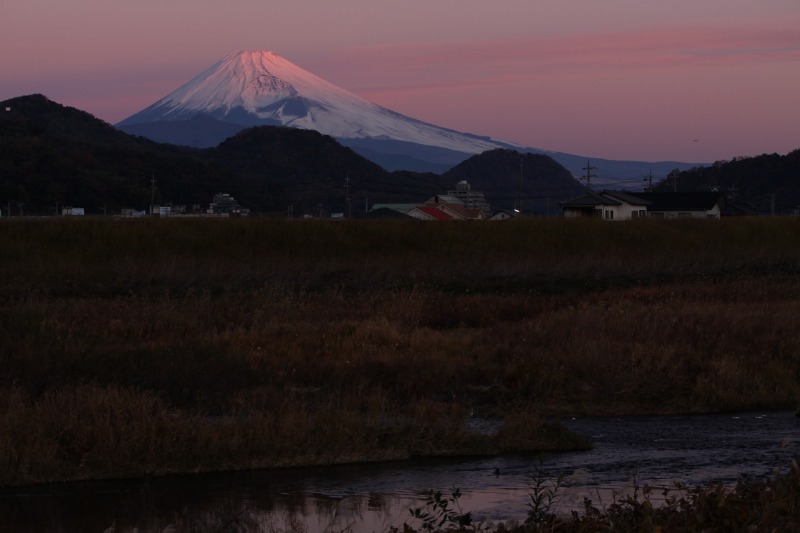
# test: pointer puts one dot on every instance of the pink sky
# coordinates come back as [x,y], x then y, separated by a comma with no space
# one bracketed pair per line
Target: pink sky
[685,80]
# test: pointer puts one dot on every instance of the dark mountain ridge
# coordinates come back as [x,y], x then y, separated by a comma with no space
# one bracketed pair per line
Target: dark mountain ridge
[529,182]
[54,155]
[769,182]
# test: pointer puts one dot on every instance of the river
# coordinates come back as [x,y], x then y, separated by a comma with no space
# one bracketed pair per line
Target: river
[628,452]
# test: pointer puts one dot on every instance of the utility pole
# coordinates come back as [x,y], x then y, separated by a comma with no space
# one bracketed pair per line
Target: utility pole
[588,177]
[347,194]
[152,193]
[649,180]
[521,175]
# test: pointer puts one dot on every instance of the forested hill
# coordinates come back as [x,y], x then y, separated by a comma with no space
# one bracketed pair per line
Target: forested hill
[55,156]
[534,181]
[280,166]
[763,181]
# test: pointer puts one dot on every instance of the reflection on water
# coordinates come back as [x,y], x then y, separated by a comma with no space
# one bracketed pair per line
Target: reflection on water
[644,450]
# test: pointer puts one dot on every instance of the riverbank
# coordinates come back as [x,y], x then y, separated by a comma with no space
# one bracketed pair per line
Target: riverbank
[652,457]
[136,348]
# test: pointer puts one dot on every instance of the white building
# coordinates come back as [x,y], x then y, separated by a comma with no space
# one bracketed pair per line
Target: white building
[607,205]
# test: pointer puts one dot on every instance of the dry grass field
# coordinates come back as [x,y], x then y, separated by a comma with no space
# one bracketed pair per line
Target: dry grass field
[142,347]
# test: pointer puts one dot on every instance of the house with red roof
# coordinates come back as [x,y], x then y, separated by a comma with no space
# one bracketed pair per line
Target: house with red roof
[429,212]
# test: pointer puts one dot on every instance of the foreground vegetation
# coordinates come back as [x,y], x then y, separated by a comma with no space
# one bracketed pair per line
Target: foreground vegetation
[752,505]
[152,346]
[768,505]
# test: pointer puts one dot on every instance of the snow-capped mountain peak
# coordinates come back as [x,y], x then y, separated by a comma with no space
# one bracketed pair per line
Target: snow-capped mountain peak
[261,87]
[250,88]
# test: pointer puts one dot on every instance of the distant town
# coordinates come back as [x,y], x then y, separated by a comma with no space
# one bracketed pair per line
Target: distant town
[464,203]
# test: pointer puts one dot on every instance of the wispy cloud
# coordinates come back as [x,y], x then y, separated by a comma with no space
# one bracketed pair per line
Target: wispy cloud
[559,91]
[416,66]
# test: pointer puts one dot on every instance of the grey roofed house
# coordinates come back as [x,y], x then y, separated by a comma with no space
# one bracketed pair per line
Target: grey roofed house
[503,214]
[739,209]
[626,197]
[623,205]
[383,213]
[608,205]
[684,204]
[400,208]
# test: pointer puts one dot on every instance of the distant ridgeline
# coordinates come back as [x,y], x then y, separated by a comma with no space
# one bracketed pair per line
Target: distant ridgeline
[55,156]
[768,182]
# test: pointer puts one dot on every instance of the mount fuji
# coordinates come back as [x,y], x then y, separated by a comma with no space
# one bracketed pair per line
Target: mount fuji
[250,88]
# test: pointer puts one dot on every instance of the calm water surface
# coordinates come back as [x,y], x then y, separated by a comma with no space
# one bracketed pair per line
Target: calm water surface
[633,450]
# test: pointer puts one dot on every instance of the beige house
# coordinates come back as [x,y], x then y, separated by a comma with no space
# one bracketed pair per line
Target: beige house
[620,205]
[606,205]
[684,204]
